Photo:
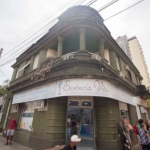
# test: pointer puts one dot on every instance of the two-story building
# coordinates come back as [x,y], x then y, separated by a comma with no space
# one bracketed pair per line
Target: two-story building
[74,80]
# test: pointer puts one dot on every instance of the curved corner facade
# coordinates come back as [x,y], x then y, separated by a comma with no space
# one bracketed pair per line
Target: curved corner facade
[74,80]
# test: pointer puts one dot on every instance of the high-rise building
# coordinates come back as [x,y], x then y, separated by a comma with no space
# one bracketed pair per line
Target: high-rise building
[138,59]
[123,43]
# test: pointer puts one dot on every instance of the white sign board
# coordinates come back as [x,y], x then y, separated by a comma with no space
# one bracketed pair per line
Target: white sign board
[38,93]
[92,87]
[76,87]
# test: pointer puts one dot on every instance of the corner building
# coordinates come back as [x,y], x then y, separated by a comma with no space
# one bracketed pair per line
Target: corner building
[74,80]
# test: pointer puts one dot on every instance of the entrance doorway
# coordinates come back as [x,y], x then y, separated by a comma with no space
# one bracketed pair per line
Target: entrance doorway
[80,121]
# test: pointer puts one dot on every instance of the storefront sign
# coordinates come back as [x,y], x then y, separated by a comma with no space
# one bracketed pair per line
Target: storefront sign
[81,98]
[92,87]
[76,87]
[41,92]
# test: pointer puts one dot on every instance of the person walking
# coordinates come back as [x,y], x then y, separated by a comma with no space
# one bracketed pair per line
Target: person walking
[140,121]
[144,137]
[127,129]
[148,125]
[74,142]
[10,130]
[137,133]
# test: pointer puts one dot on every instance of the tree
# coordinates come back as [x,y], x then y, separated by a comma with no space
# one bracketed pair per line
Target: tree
[3,88]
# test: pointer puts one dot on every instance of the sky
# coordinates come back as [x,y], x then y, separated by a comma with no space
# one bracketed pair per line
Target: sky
[16,17]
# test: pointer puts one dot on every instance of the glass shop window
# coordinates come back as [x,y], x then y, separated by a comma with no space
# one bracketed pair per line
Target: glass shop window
[73,103]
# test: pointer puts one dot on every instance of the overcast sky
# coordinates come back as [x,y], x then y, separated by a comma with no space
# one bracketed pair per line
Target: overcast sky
[16,16]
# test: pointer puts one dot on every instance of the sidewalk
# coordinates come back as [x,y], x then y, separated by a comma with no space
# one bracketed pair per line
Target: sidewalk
[14,145]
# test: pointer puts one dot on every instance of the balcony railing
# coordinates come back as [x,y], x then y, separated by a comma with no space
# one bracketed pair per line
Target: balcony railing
[68,56]
[95,56]
[72,55]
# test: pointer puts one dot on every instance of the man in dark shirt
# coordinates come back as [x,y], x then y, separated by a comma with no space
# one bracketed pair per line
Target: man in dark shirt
[74,142]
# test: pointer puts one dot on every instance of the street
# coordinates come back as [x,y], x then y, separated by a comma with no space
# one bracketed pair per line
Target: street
[14,145]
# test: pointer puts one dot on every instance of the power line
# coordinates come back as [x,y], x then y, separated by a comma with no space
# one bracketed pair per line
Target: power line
[124,10]
[3,74]
[37,32]
[34,38]
[99,10]
[107,5]
[42,20]
[60,9]
[51,37]
[105,19]
[38,28]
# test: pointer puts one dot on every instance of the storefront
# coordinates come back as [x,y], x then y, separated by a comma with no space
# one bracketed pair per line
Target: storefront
[75,106]
[80,120]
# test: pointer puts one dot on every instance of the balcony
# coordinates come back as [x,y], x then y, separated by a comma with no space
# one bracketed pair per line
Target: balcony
[79,64]
[143,92]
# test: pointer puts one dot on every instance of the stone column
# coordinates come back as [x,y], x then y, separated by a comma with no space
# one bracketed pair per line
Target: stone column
[56,120]
[132,114]
[31,63]
[42,56]
[112,57]
[107,116]
[101,47]
[60,46]
[82,39]
[20,73]
[14,74]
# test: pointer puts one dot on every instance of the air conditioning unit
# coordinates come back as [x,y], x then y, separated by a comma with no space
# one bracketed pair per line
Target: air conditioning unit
[121,74]
[127,67]
[41,105]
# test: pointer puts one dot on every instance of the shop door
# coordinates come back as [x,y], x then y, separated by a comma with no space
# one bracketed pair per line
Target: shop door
[80,122]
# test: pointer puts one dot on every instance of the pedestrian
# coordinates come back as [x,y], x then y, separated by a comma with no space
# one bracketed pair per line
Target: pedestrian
[73,126]
[148,125]
[144,137]
[127,129]
[137,133]
[131,130]
[140,121]
[10,130]
[74,142]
